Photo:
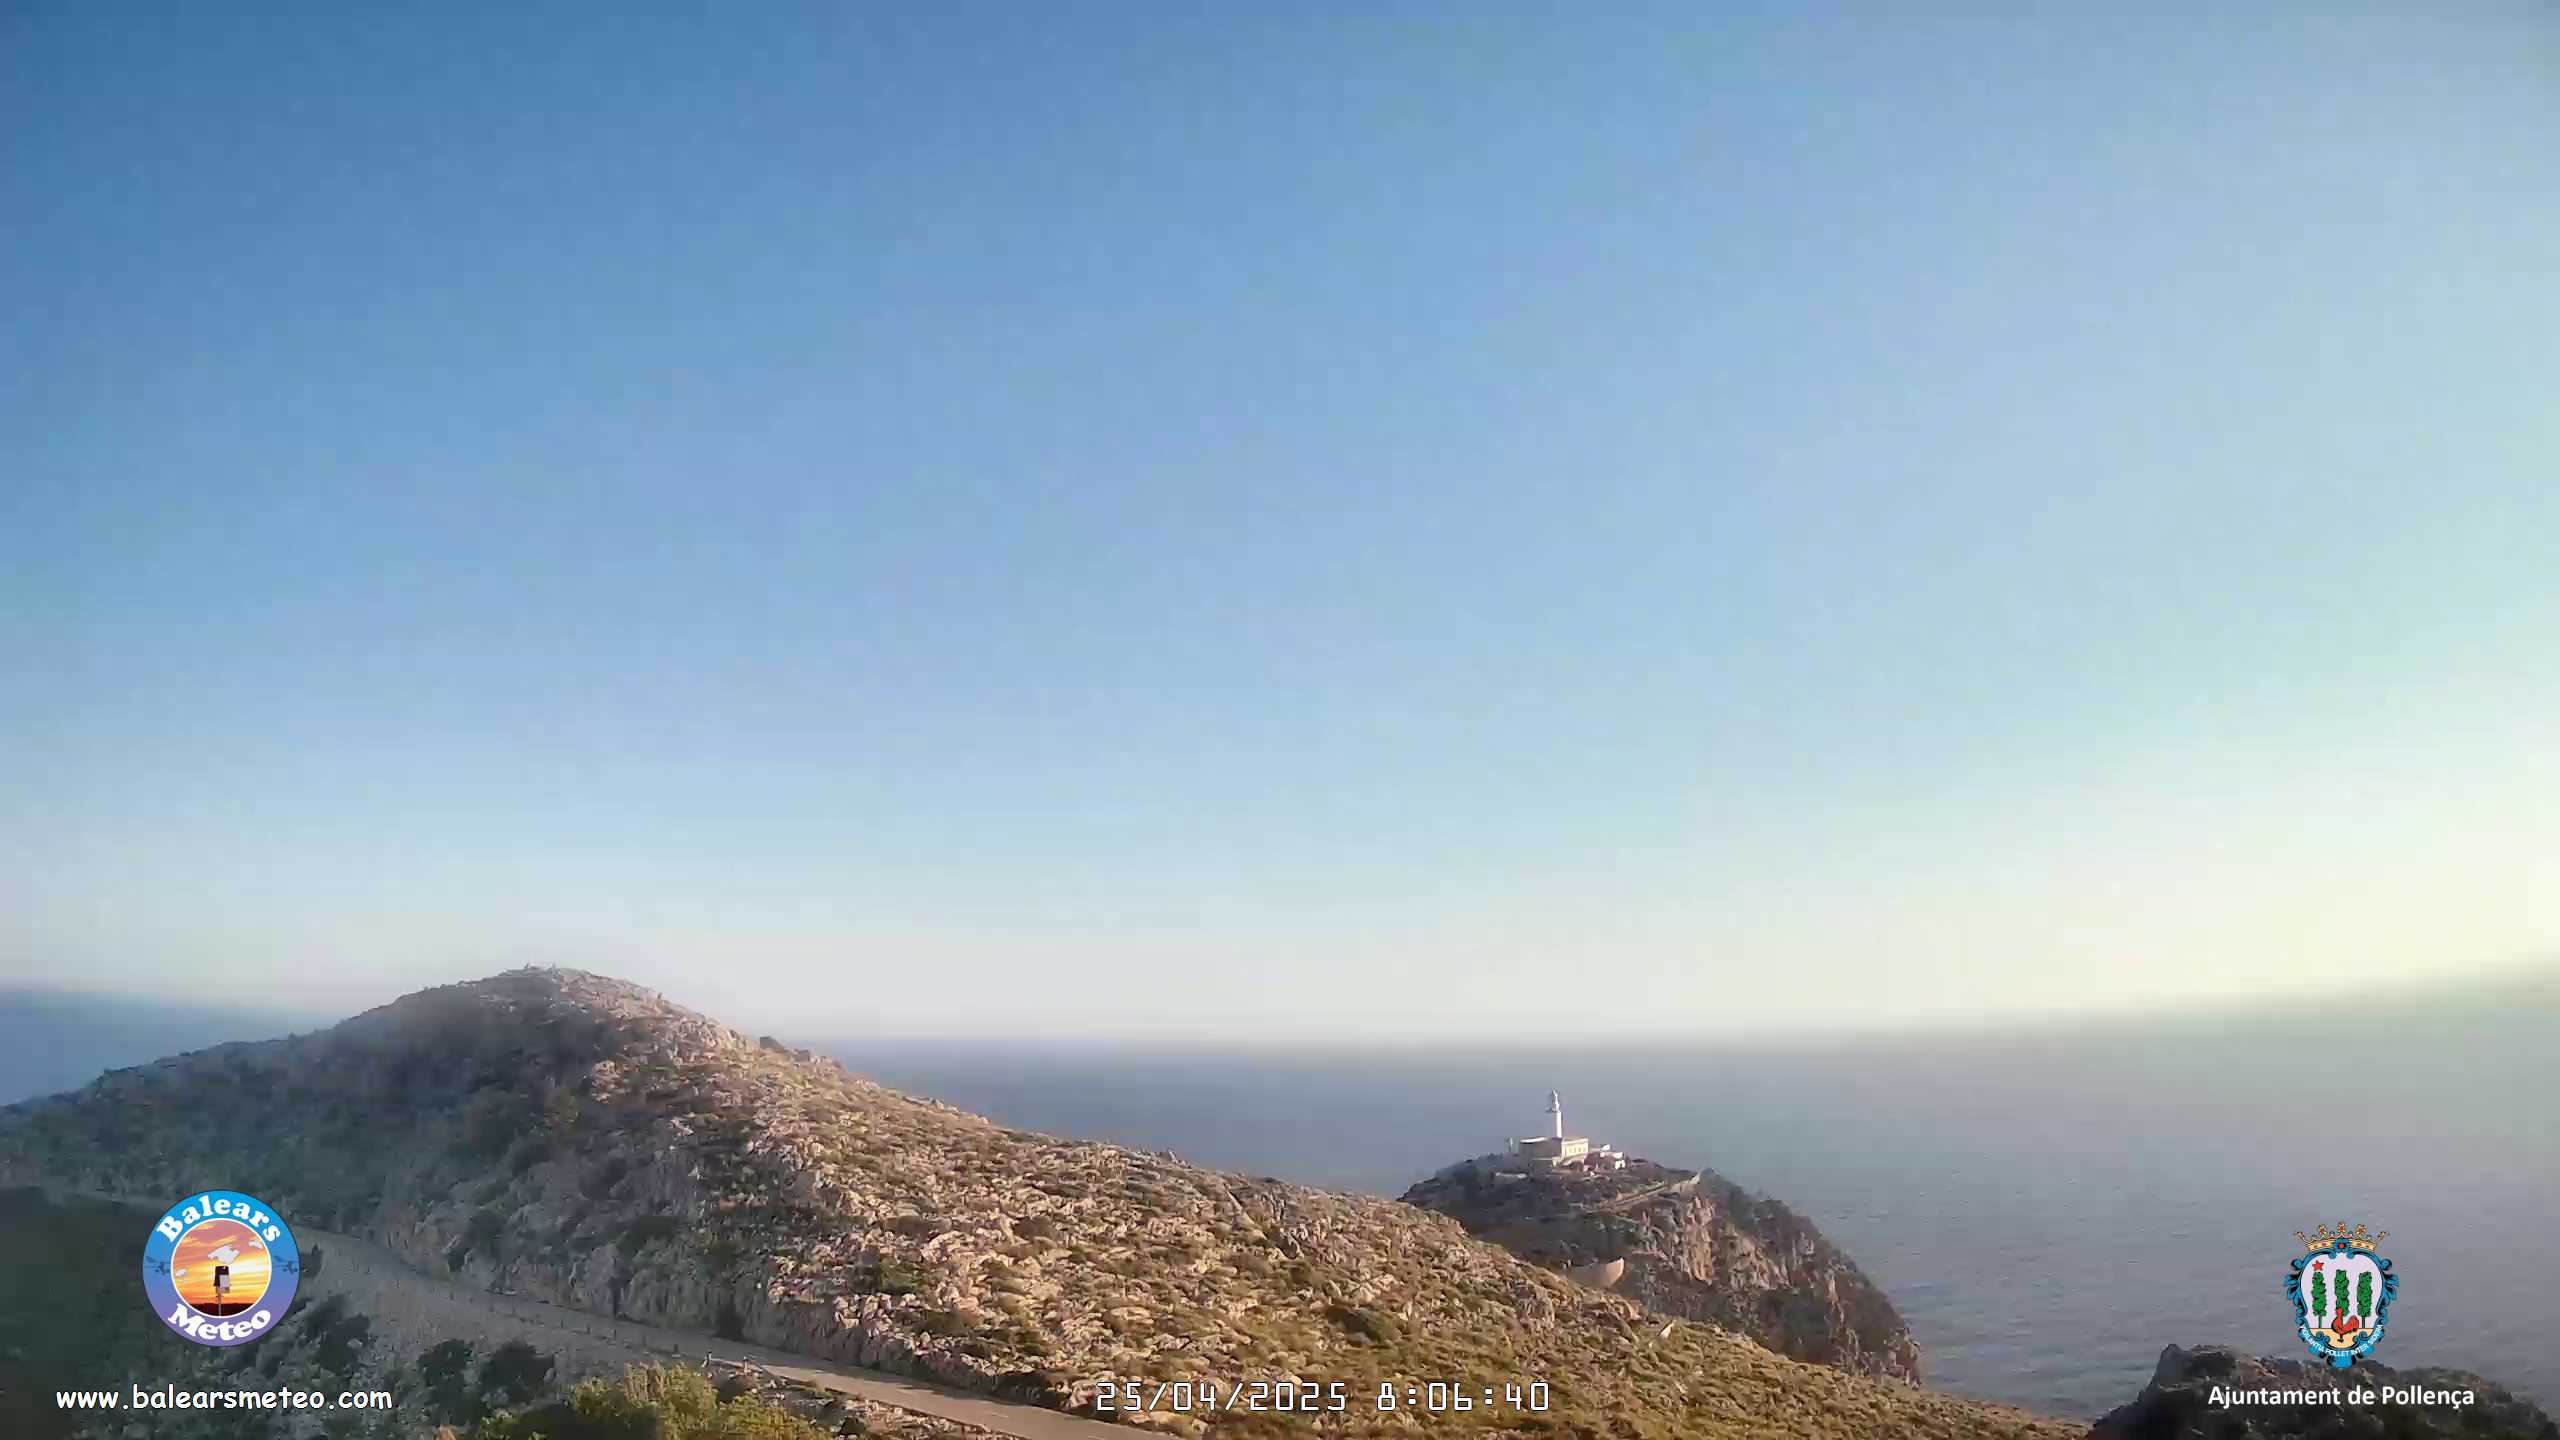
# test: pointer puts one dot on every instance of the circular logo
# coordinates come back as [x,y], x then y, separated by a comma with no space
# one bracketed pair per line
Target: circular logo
[220,1268]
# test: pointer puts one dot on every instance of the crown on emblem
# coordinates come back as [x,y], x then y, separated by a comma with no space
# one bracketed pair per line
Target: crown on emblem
[2325,1238]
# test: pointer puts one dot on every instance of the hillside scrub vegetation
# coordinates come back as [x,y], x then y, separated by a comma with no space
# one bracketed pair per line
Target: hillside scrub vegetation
[578,1140]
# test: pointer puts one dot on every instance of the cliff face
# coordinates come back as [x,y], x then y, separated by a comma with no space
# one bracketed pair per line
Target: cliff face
[2180,1402]
[578,1140]
[1693,1245]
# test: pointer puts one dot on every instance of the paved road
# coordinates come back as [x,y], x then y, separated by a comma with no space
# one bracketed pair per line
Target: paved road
[378,1274]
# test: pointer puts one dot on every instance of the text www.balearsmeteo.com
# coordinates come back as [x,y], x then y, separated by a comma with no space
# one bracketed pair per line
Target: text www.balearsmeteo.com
[170,1397]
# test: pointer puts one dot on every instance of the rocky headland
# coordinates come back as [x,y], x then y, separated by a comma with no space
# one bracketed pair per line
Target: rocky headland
[1687,1244]
[578,1140]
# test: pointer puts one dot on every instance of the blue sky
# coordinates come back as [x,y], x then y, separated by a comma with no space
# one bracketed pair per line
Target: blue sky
[1090,518]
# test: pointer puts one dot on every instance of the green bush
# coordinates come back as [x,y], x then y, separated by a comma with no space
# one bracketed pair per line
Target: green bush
[336,1352]
[560,1108]
[646,1230]
[492,1121]
[888,1277]
[444,1360]
[650,1402]
[327,1312]
[515,1372]
[1367,1326]
[601,1179]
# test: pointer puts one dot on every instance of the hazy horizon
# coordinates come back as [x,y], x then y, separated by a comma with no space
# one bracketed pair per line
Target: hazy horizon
[1974,1178]
[56,1038]
[1269,527]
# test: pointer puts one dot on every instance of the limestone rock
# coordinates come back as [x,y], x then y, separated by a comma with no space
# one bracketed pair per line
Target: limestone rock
[1687,1244]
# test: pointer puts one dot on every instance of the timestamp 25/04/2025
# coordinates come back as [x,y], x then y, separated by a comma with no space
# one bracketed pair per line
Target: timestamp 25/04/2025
[1312,1397]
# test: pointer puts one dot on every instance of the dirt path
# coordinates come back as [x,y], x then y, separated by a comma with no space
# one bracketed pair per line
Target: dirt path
[415,1310]
[381,1284]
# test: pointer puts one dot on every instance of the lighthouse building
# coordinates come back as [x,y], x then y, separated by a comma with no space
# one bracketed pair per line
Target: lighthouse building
[1556,1150]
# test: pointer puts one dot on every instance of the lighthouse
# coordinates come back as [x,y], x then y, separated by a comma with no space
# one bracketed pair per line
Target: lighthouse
[1556,1150]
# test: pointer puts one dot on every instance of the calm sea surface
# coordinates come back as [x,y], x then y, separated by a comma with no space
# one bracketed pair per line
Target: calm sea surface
[2047,1209]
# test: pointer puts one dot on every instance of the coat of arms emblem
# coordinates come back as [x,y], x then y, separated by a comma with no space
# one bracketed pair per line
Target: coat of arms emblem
[2341,1292]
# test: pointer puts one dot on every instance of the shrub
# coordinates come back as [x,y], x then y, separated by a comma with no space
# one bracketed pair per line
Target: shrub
[444,1360]
[1367,1326]
[480,1232]
[451,1402]
[888,1277]
[950,1324]
[515,1372]
[643,1231]
[650,1402]
[491,1122]
[336,1352]
[599,1181]
[318,1319]
[559,1108]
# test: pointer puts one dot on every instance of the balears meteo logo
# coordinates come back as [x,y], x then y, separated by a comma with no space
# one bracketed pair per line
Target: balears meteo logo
[220,1268]
[2341,1292]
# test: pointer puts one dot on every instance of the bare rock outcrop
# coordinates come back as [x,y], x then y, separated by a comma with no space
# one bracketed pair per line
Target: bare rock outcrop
[2213,1392]
[1689,1244]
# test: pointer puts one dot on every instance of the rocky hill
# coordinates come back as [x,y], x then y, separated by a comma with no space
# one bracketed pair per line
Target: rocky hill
[2217,1393]
[579,1140]
[1693,1245]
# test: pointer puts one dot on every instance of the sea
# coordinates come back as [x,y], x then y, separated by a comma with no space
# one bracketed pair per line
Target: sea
[2048,1206]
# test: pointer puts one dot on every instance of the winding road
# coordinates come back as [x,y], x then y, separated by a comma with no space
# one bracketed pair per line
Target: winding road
[378,1282]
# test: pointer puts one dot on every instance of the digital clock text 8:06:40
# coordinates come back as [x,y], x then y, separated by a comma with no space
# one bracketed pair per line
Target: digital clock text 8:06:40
[1440,1397]
[1309,1397]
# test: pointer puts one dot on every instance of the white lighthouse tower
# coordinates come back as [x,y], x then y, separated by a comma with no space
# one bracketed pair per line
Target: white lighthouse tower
[1556,1150]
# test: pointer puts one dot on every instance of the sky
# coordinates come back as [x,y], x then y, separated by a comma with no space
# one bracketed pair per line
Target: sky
[1265,522]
